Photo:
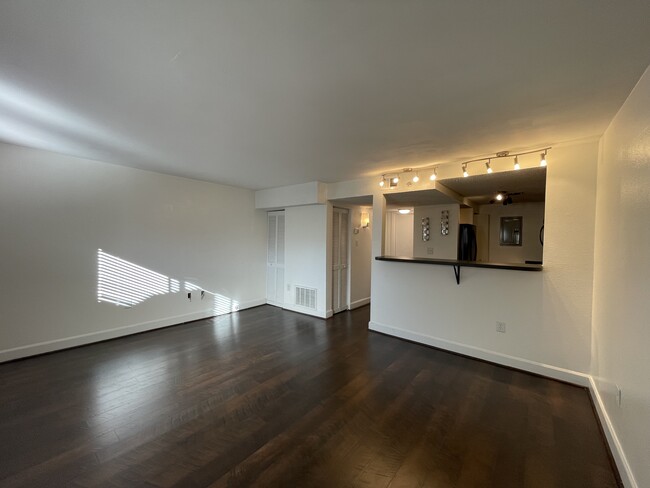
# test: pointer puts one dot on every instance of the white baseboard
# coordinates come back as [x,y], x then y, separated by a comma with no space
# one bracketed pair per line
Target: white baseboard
[575,377]
[561,374]
[359,303]
[307,311]
[83,339]
[252,303]
[612,439]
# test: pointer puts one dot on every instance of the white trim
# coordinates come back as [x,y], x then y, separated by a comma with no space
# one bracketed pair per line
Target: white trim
[575,377]
[561,374]
[102,335]
[612,439]
[251,304]
[359,303]
[307,311]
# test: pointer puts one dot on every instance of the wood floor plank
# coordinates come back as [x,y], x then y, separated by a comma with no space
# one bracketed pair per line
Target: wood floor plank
[267,397]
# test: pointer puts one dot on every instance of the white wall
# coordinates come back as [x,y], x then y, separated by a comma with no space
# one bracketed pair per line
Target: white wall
[57,211]
[399,234]
[310,193]
[548,313]
[533,219]
[621,278]
[441,246]
[306,244]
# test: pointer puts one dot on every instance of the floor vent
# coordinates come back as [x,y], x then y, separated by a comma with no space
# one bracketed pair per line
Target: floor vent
[306,297]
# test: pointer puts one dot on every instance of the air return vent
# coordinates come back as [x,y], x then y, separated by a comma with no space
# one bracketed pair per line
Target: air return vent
[306,297]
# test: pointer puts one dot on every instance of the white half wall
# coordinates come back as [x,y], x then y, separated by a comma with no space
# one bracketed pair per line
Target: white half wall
[57,211]
[547,313]
[621,330]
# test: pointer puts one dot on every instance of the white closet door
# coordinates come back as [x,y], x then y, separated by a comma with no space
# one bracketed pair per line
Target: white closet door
[275,259]
[279,263]
[344,242]
[336,274]
[340,222]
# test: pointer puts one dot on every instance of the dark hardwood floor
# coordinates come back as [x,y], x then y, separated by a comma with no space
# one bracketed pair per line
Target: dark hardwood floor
[266,397]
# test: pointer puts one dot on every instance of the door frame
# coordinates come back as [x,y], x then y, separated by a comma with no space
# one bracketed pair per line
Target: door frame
[275,266]
[346,301]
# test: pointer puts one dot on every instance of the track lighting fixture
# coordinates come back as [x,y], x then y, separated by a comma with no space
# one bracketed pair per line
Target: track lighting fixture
[392,179]
[499,196]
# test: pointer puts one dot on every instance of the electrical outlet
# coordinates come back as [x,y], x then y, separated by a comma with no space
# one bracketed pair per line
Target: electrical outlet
[501,327]
[619,396]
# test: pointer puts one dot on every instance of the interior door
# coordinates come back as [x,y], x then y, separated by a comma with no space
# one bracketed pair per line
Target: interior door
[340,257]
[275,259]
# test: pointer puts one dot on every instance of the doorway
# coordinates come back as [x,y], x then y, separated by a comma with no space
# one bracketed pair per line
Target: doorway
[340,259]
[275,259]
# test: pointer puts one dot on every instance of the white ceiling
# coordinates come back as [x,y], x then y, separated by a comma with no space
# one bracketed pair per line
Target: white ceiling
[530,183]
[418,198]
[263,93]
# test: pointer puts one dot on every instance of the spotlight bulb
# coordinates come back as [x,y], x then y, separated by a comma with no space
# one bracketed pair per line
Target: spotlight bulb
[465,173]
[382,183]
[489,168]
[517,163]
[396,179]
[499,196]
[434,175]
[416,178]
[542,160]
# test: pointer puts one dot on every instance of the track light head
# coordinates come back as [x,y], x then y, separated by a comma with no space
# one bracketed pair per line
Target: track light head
[517,167]
[542,159]
[465,173]
[489,168]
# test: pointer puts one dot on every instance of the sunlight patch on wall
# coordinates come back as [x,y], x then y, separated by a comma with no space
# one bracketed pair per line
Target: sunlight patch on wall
[221,304]
[126,284]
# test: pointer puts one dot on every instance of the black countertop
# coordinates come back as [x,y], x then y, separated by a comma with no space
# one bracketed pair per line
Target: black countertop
[464,264]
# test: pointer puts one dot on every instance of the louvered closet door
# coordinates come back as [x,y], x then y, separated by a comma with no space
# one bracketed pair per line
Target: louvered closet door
[275,259]
[340,224]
